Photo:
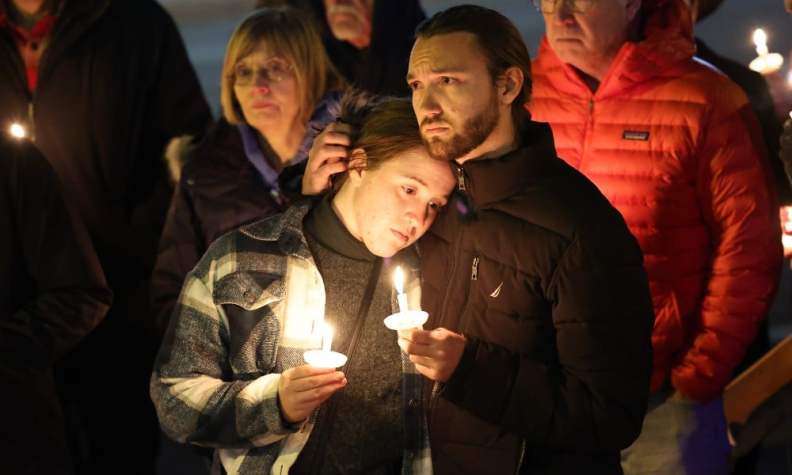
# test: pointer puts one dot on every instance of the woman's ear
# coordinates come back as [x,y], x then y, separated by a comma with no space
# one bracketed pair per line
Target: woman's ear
[357,164]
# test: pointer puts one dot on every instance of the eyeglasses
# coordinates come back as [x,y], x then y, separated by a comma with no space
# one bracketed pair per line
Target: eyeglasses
[273,71]
[575,6]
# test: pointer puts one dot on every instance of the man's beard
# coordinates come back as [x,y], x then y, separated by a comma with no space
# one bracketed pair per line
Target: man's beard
[474,132]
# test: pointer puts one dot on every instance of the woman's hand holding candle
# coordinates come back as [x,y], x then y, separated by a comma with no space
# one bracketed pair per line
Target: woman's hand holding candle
[304,388]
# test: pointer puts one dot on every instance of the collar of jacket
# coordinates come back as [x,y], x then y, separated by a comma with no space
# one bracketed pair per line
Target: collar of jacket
[75,17]
[285,229]
[489,181]
[668,40]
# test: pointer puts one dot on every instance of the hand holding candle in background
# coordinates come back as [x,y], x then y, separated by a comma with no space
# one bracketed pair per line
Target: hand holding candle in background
[766,62]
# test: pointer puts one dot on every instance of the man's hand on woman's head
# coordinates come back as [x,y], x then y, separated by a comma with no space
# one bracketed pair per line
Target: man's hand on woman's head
[329,155]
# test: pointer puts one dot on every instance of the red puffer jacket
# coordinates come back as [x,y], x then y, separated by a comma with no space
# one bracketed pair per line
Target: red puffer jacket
[673,145]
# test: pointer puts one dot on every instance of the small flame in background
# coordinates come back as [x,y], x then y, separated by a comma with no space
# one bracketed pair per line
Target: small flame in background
[17,130]
[766,62]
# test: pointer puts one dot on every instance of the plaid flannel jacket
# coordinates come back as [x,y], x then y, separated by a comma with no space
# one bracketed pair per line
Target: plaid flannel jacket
[215,380]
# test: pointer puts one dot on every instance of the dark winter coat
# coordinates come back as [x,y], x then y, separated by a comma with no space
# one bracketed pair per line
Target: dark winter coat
[382,67]
[115,85]
[540,273]
[220,190]
[52,293]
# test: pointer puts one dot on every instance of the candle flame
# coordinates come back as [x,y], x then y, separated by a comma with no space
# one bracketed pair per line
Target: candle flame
[398,279]
[17,130]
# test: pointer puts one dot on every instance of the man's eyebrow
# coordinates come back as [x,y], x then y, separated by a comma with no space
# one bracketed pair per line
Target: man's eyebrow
[439,72]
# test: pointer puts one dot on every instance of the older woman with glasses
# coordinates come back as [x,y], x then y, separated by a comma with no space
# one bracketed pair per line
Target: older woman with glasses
[278,90]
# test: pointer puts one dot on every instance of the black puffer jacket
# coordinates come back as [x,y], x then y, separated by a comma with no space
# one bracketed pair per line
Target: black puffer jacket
[545,280]
[382,67]
[52,293]
[115,85]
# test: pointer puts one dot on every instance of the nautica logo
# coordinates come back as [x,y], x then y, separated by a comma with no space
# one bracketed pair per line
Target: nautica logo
[497,291]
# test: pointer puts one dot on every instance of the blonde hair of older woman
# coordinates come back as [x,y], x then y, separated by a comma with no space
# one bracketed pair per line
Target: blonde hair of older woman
[294,36]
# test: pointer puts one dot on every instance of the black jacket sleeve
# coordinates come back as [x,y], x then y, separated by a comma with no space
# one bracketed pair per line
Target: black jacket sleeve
[181,246]
[71,295]
[176,107]
[595,397]
[785,152]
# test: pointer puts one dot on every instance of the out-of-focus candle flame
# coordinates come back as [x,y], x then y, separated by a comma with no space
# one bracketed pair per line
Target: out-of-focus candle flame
[766,62]
[760,40]
[17,130]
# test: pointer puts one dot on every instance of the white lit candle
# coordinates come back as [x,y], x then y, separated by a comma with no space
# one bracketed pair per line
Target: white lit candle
[406,318]
[327,338]
[398,282]
[766,62]
[325,358]
[17,130]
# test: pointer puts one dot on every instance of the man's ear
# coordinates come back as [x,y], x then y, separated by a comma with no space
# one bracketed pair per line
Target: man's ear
[510,85]
[357,164]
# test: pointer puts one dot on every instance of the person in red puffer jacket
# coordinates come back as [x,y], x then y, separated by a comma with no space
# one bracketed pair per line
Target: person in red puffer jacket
[675,147]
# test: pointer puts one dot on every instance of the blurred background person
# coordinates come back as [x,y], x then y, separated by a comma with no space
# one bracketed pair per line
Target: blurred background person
[101,87]
[52,293]
[755,87]
[369,41]
[278,90]
[673,145]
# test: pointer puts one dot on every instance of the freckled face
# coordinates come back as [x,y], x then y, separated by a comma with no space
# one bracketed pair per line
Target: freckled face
[395,203]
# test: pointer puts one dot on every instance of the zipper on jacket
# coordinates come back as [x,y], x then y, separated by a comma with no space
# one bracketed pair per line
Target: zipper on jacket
[474,269]
[521,458]
[461,179]
[586,132]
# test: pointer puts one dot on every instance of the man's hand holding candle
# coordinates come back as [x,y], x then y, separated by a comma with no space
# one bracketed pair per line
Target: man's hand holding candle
[435,353]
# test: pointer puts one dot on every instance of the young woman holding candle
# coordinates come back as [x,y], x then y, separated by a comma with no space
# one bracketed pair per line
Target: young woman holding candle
[230,373]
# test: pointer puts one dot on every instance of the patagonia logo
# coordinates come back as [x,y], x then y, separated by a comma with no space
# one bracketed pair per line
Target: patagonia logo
[635,135]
